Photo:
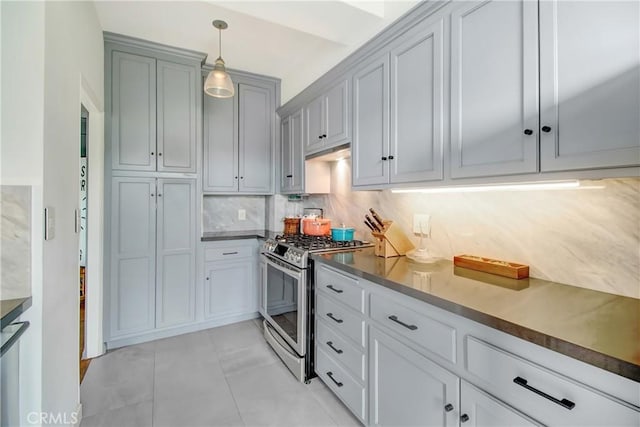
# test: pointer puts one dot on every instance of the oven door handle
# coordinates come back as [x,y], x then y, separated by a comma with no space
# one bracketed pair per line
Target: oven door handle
[290,271]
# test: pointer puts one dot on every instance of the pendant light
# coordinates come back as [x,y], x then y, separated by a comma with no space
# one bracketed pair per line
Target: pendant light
[218,83]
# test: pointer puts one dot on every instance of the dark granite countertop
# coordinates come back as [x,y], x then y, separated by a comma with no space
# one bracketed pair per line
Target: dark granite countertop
[597,328]
[10,309]
[212,236]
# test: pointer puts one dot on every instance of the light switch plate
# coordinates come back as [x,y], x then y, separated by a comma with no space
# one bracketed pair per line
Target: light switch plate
[422,223]
[49,223]
[242,214]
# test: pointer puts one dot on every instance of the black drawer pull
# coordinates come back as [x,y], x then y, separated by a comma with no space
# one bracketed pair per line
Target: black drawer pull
[289,176]
[230,253]
[546,129]
[528,132]
[395,319]
[448,407]
[330,374]
[330,316]
[337,291]
[565,403]
[464,418]
[337,350]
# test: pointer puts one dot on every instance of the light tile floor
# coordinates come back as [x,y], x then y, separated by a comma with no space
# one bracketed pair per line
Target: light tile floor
[226,376]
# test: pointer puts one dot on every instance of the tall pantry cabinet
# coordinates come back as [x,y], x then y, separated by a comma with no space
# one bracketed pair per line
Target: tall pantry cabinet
[152,128]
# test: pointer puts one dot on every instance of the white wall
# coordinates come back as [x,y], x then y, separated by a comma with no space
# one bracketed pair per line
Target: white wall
[73,57]
[49,50]
[22,161]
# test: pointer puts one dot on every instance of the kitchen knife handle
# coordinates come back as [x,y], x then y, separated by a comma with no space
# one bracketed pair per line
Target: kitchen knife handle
[376,217]
[368,225]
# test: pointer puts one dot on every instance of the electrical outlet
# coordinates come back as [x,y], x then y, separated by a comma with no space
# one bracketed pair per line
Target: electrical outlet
[422,223]
[242,214]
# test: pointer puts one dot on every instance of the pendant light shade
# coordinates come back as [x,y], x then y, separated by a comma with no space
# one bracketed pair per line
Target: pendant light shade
[218,83]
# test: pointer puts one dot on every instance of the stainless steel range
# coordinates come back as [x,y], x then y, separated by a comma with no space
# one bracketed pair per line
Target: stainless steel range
[287,296]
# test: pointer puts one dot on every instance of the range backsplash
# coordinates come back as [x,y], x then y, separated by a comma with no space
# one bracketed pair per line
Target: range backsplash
[587,237]
[16,241]
[220,213]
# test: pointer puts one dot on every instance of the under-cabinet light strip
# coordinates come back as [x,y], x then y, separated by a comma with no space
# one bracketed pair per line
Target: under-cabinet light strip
[522,186]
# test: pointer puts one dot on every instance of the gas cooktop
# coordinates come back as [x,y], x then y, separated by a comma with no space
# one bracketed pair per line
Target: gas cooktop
[317,244]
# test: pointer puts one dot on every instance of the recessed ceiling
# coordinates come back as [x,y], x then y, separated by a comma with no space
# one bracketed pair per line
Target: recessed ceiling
[297,41]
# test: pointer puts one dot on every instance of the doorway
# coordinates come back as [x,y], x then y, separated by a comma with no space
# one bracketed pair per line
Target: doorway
[82,251]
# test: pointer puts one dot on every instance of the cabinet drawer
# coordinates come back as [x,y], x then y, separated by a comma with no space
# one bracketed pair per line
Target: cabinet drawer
[540,393]
[433,335]
[343,288]
[228,253]
[342,384]
[341,350]
[342,319]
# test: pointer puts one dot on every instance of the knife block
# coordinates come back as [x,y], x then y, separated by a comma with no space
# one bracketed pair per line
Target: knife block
[391,241]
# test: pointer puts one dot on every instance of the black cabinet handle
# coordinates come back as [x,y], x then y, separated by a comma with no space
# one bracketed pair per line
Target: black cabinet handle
[152,194]
[152,153]
[390,157]
[159,154]
[448,407]
[207,278]
[395,319]
[337,350]
[464,418]
[330,374]
[289,176]
[337,291]
[565,403]
[384,158]
[319,136]
[324,135]
[546,129]
[230,253]
[235,177]
[159,194]
[330,316]
[242,177]
[528,132]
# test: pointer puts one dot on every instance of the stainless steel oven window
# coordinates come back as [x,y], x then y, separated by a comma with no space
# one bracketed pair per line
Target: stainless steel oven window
[284,302]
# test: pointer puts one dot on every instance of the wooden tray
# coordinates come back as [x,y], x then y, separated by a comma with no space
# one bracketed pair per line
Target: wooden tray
[493,266]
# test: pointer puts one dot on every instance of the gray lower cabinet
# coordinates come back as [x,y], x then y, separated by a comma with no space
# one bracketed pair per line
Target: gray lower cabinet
[230,284]
[153,224]
[481,409]
[399,110]
[589,84]
[154,109]
[291,154]
[238,141]
[406,388]
[494,117]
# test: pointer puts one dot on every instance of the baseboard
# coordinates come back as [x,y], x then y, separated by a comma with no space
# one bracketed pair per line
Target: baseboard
[171,332]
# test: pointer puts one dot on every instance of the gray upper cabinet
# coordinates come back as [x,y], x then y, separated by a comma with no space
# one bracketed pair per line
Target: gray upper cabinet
[494,117]
[589,84]
[154,114]
[238,140]
[417,105]
[176,111]
[327,119]
[291,155]
[133,121]
[371,123]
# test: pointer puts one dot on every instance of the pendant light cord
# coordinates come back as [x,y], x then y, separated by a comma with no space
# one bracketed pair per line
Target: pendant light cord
[219,42]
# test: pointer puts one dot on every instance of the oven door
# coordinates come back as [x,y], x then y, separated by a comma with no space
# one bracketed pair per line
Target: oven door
[284,301]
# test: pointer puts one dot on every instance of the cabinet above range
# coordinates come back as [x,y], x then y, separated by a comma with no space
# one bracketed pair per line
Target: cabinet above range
[239,136]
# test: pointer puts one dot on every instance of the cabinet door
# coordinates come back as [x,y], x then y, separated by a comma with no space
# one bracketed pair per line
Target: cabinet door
[494,95]
[297,155]
[406,388]
[286,166]
[176,266]
[230,288]
[484,410]
[417,109]
[177,110]
[370,146]
[337,126]
[220,144]
[255,135]
[589,84]
[133,255]
[314,115]
[133,115]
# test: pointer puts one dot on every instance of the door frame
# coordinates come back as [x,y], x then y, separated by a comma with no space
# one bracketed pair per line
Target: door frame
[94,342]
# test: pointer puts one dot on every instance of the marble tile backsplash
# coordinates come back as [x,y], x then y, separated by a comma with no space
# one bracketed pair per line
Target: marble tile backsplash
[220,213]
[15,222]
[587,237]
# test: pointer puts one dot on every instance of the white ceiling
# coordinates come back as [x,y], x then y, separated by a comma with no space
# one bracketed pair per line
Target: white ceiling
[295,40]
